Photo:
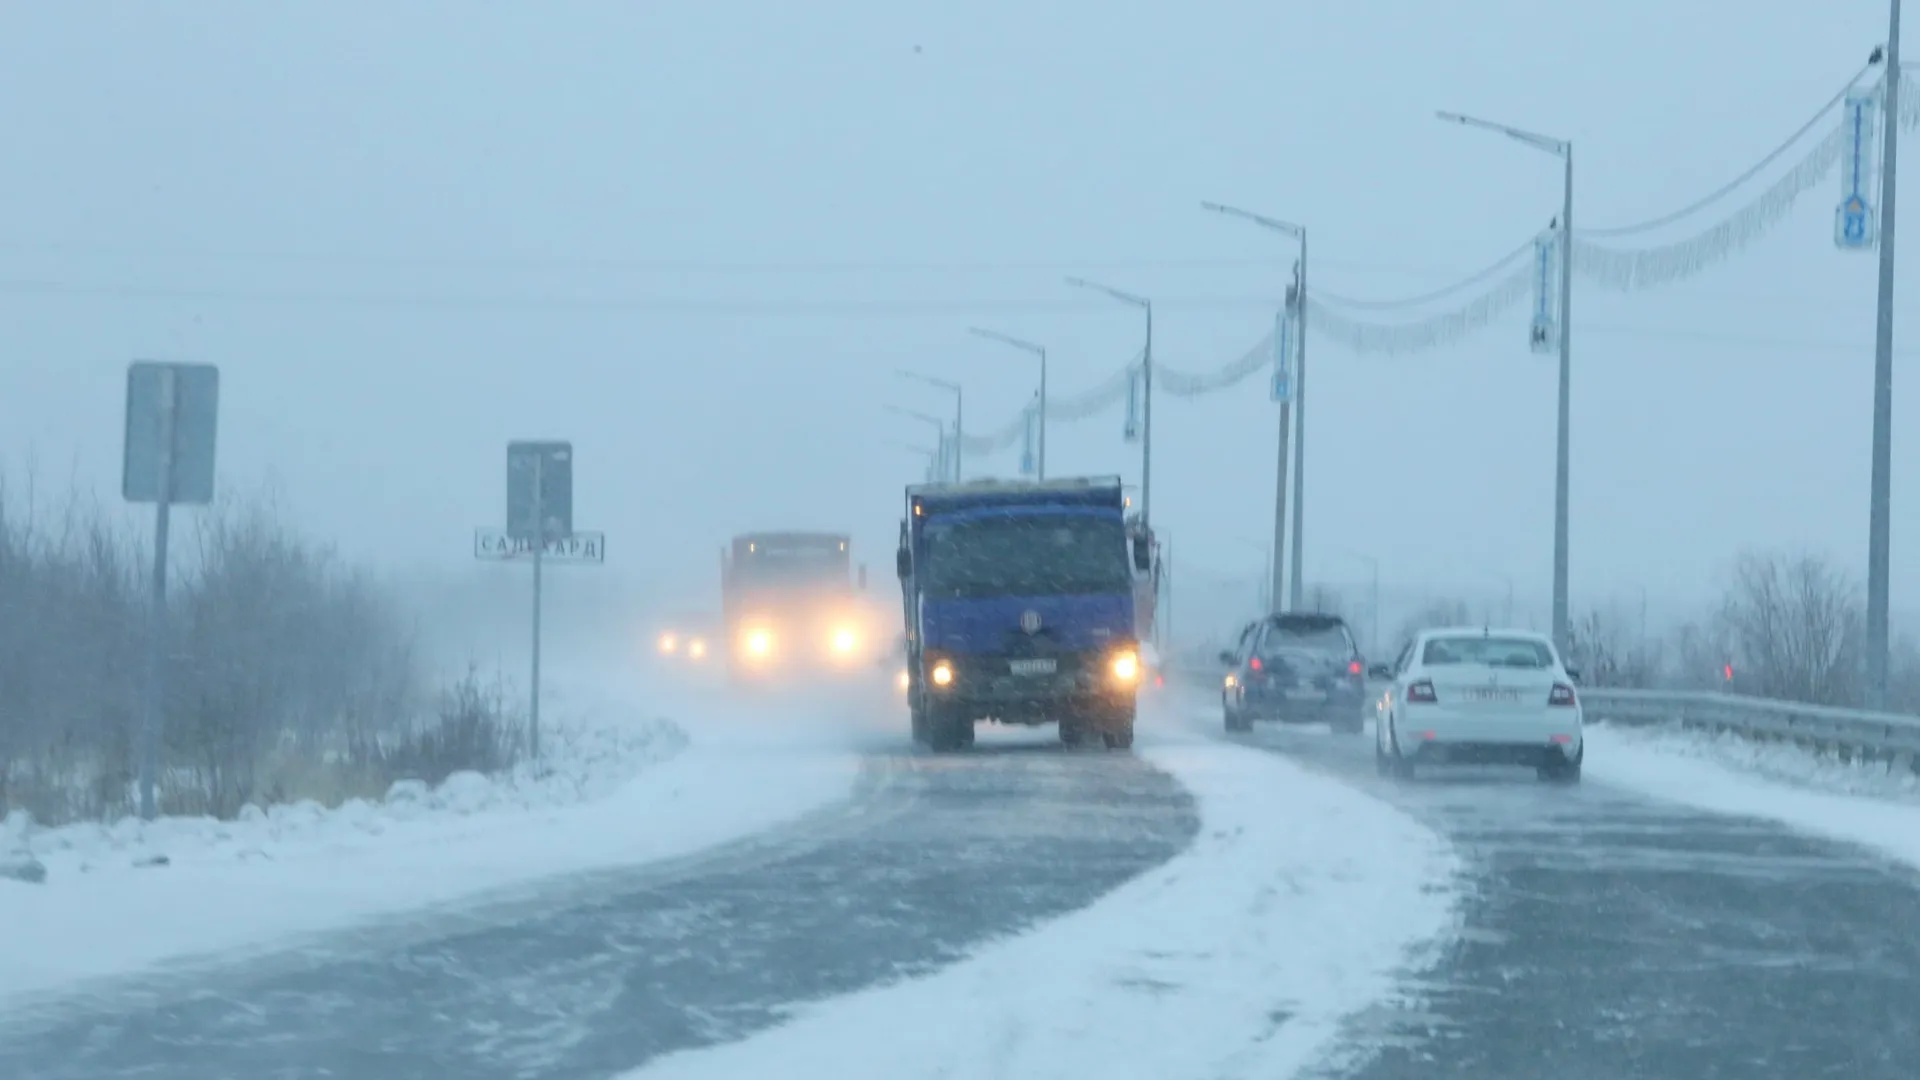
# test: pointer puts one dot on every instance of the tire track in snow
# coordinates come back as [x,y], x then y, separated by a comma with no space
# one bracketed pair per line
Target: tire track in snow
[937,855]
[1607,935]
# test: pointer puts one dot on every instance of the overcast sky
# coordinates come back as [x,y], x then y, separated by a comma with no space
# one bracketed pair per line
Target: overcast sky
[698,238]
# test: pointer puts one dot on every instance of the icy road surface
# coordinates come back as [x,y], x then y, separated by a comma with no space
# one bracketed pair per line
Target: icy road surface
[1610,932]
[932,857]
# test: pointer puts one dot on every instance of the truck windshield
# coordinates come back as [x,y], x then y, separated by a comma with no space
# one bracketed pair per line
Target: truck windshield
[792,561]
[1032,556]
[797,569]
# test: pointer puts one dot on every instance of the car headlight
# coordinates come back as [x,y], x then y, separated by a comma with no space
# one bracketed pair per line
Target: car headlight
[844,640]
[668,643]
[1126,667]
[696,648]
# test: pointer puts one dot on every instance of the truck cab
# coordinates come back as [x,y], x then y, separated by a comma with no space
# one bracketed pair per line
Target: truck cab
[793,607]
[1019,600]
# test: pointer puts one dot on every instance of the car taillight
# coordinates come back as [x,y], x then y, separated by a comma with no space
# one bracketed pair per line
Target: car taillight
[1562,695]
[1421,691]
[1354,668]
[1254,663]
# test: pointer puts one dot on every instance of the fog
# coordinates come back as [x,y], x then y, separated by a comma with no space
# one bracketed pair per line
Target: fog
[699,239]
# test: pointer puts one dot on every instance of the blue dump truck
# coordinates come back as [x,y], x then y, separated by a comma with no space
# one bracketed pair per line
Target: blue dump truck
[1020,608]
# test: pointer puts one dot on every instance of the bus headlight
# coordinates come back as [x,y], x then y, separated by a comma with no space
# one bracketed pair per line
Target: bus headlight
[1126,667]
[942,674]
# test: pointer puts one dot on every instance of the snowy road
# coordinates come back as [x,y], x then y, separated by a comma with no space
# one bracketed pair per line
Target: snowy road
[1608,935]
[932,857]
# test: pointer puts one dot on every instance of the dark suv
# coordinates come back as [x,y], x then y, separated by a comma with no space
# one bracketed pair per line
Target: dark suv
[1295,668]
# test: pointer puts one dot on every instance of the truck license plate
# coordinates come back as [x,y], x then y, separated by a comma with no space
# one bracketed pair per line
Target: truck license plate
[1031,667]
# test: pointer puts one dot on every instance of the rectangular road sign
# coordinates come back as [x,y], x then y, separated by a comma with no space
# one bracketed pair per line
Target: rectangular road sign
[581,547]
[552,462]
[172,413]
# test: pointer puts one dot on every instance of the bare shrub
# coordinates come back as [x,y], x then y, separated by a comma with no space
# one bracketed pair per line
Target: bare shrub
[1605,655]
[474,728]
[290,674]
[1798,627]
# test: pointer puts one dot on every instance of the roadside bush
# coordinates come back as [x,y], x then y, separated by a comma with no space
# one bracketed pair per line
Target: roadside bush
[290,675]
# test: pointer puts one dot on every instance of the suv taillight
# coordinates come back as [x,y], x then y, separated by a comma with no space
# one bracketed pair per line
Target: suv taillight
[1562,695]
[1421,691]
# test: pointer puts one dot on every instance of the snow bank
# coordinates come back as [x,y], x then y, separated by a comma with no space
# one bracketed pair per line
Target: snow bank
[1863,803]
[621,785]
[1295,909]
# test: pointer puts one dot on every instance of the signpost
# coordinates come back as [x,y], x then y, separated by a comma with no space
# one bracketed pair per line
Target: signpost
[1854,227]
[539,528]
[581,548]
[1543,335]
[167,458]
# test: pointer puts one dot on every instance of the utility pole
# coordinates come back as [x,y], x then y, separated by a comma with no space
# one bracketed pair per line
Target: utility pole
[1879,533]
[1146,389]
[1563,149]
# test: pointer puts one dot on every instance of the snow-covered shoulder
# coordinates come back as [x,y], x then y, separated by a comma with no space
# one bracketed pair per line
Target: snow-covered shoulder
[1868,803]
[1300,904]
[626,778]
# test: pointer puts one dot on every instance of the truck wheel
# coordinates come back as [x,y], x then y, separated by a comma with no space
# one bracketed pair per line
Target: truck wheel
[1117,733]
[948,729]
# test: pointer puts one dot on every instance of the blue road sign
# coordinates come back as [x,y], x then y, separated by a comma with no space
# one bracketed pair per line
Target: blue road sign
[1853,225]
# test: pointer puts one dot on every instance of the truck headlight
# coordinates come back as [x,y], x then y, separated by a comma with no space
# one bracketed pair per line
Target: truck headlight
[1126,667]
[758,642]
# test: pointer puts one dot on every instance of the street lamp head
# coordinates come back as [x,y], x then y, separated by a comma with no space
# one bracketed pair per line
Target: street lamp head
[1007,339]
[943,384]
[1123,297]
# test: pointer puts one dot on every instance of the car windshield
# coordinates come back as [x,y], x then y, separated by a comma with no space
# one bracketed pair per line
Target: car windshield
[1512,652]
[1050,555]
[1310,637]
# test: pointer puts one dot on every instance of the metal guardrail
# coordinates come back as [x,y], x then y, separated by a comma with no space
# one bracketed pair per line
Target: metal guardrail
[1856,731]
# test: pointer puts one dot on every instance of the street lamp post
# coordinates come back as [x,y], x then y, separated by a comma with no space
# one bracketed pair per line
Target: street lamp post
[1562,149]
[959,414]
[1296,403]
[940,426]
[1146,390]
[932,456]
[1041,352]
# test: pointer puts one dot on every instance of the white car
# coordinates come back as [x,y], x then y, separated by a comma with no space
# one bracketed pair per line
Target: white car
[1481,697]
